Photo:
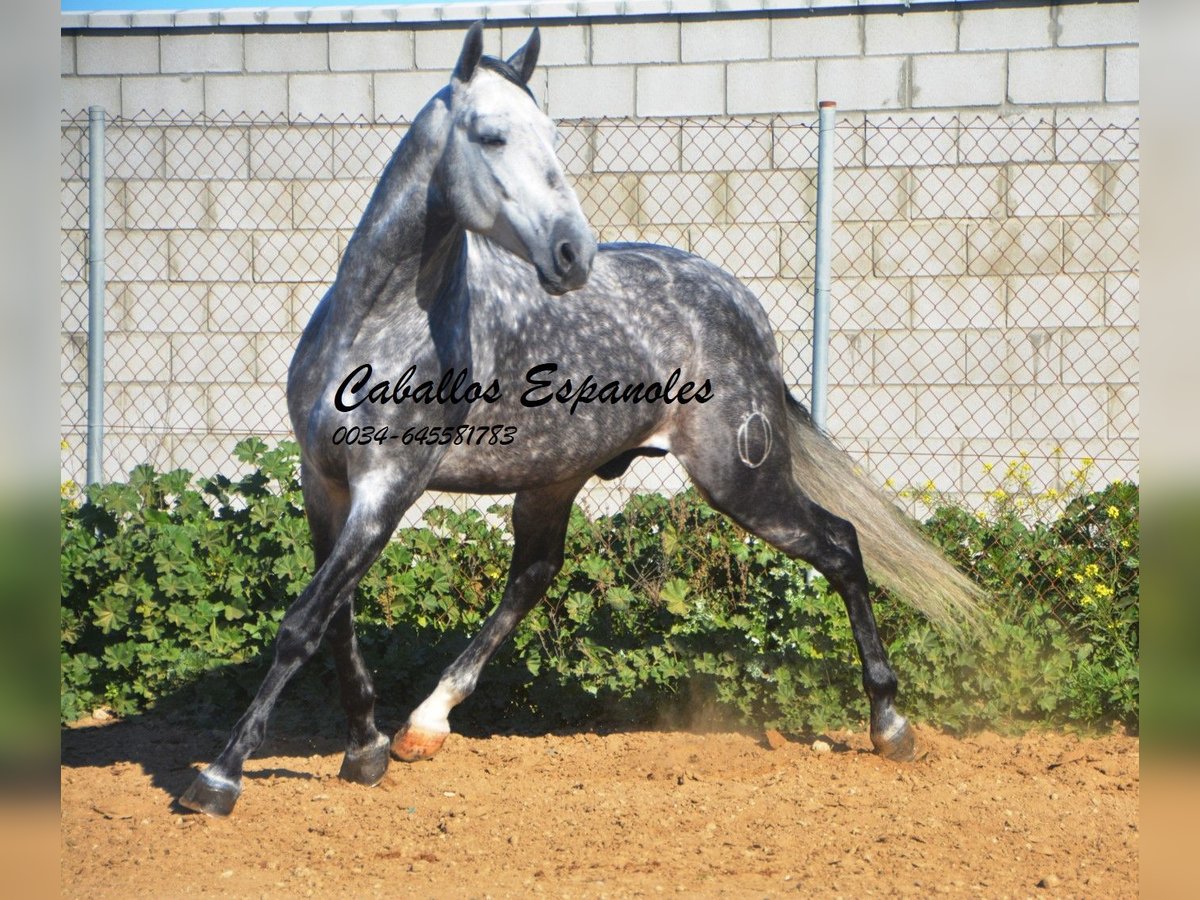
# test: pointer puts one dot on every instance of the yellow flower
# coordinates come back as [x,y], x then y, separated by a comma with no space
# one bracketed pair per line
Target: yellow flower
[1113,512]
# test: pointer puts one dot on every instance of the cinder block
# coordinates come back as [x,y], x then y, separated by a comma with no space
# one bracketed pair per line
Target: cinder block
[635,42]
[807,37]
[1013,356]
[136,357]
[361,51]
[963,412]
[249,205]
[859,304]
[867,83]
[331,204]
[246,96]
[166,204]
[77,94]
[247,407]
[160,306]
[957,192]
[591,92]
[674,199]
[291,152]
[1121,75]
[399,96]
[1056,76]
[210,256]
[201,53]
[439,48]
[362,151]
[1055,190]
[919,357]
[205,358]
[868,195]
[66,54]
[244,308]
[274,354]
[923,139]
[1097,133]
[1124,411]
[950,301]
[748,251]
[576,151]
[283,51]
[169,94]
[768,197]
[1015,247]
[958,80]
[1002,139]
[860,411]
[1096,23]
[911,32]
[1059,412]
[346,95]
[608,200]
[728,145]
[779,86]
[1055,301]
[296,256]
[208,153]
[1121,293]
[562,45]
[697,90]
[136,255]
[1020,28]
[633,146]
[1101,355]
[724,40]
[104,54]
[1109,244]
[920,248]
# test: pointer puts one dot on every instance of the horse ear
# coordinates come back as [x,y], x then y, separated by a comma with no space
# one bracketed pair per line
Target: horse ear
[472,50]
[526,58]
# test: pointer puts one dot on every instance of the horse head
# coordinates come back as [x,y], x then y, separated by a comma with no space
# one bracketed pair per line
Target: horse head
[499,174]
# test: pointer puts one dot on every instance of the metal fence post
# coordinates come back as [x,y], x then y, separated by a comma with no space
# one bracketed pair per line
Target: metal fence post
[820,370]
[96,276]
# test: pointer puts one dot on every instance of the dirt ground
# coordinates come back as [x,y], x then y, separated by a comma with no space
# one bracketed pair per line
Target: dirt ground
[607,814]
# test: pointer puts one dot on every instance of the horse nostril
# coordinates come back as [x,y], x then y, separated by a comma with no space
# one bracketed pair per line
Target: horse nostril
[566,257]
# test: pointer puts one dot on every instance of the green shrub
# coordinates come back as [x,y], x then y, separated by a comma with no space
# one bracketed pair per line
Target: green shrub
[664,604]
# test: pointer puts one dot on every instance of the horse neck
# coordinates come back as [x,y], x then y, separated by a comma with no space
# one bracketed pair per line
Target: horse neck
[407,249]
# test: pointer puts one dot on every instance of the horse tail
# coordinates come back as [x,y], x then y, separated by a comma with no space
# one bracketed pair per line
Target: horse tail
[896,555]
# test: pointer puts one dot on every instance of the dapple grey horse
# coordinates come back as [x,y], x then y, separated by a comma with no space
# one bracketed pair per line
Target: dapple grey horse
[476,339]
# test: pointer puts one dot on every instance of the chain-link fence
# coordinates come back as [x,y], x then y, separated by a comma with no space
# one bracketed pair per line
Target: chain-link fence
[985,277]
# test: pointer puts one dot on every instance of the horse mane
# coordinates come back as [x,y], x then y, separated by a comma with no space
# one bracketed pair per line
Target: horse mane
[505,71]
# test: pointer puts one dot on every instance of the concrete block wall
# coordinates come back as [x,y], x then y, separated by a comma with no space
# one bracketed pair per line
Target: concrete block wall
[985,273]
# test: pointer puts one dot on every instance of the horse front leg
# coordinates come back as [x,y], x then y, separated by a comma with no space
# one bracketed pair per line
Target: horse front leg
[539,528]
[368,527]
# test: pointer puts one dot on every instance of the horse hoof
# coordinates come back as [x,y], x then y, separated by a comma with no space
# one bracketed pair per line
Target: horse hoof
[898,743]
[212,795]
[366,765]
[414,744]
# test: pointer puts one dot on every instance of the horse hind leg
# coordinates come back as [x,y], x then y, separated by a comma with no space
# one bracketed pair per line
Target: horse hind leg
[750,480]
[539,528]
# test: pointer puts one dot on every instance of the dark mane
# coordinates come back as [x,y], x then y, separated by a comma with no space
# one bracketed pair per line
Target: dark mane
[505,71]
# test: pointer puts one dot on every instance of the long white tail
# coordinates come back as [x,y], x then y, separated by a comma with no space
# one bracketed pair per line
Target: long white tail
[896,555]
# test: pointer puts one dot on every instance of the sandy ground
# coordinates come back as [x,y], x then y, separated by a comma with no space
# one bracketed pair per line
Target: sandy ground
[607,814]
